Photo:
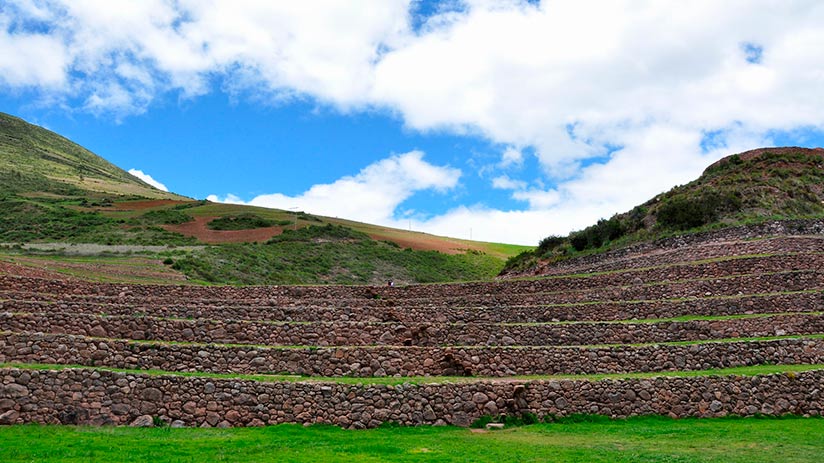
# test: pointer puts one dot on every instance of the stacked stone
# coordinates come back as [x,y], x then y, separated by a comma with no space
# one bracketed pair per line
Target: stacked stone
[761,287]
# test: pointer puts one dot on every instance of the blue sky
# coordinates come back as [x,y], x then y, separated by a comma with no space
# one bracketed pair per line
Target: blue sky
[513,119]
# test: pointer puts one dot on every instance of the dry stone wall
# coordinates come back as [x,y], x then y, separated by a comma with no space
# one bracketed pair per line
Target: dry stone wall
[788,235]
[431,330]
[780,281]
[403,361]
[812,259]
[103,397]
[410,334]
[807,301]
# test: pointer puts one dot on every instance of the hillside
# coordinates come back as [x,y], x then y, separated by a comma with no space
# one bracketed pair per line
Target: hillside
[36,160]
[55,191]
[744,188]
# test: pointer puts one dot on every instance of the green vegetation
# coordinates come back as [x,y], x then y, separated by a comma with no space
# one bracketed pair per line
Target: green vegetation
[331,254]
[782,183]
[53,190]
[686,212]
[572,439]
[243,222]
[46,181]
[35,159]
[163,217]
[24,220]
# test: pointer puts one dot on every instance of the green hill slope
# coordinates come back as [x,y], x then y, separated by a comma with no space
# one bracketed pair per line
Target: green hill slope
[55,191]
[767,183]
[33,159]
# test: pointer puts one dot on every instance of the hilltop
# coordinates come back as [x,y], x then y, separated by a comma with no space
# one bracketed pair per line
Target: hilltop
[53,190]
[745,188]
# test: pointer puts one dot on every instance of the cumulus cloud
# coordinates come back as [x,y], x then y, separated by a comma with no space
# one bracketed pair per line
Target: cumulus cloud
[511,157]
[118,56]
[31,60]
[372,195]
[148,179]
[503,182]
[617,100]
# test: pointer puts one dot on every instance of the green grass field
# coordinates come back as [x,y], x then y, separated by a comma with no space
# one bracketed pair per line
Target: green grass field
[578,439]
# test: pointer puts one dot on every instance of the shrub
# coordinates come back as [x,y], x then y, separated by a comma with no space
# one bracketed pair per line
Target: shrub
[550,243]
[164,217]
[684,213]
[328,232]
[523,261]
[593,237]
[245,221]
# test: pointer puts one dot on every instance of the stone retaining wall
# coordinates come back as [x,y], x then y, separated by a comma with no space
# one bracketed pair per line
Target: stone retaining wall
[693,247]
[410,334]
[101,397]
[403,361]
[591,311]
[487,295]
[337,295]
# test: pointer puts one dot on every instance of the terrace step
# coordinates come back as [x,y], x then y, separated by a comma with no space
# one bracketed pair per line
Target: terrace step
[794,280]
[751,371]
[682,271]
[766,238]
[87,396]
[408,361]
[409,334]
[801,301]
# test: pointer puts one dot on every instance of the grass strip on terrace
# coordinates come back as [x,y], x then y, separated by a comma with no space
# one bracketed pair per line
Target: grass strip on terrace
[649,321]
[645,321]
[753,370]
[721,297]
[150,342]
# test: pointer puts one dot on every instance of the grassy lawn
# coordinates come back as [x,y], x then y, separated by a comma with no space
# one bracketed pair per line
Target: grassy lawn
[648,439]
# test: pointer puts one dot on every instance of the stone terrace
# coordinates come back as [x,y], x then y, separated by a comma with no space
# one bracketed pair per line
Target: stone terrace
[742,297]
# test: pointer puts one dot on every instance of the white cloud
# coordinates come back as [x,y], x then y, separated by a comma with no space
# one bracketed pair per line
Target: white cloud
[503,182]
[608,69]
[148,179]
[512,157]
[31,60]
[538,199]
[104,51]
[568,80]
[373,195]
[228,199]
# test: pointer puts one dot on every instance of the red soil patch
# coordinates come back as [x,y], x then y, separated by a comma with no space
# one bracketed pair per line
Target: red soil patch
[141,205]
[197,228]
